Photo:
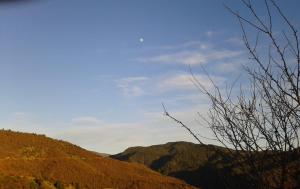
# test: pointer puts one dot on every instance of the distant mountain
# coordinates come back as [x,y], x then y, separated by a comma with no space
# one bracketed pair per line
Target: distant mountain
[204,166]
[168,158]
[187,161]
[31,161]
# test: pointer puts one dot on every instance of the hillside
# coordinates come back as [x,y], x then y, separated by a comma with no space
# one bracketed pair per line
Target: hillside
[35,161]
[204,166]
[168,158]
[194,163]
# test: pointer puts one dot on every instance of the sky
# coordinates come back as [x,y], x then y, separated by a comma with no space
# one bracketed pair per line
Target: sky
[95,72]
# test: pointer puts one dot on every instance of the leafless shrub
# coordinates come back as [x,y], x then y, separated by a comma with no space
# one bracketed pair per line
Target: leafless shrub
[262,123]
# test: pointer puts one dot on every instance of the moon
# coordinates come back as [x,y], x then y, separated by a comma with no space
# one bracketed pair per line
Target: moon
[141,40]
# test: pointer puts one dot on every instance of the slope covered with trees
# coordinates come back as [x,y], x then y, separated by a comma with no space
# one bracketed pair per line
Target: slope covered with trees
[199,165]
[35,161]
[204,166]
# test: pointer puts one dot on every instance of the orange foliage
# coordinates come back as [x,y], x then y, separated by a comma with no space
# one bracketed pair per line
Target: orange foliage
[40,157]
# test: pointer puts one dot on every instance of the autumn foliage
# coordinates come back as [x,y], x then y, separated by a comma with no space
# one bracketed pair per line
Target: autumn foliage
[35,161]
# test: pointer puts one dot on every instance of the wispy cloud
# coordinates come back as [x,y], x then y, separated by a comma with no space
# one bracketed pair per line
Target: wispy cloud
[186,45]
[211,33]
[235,41]
[109,136]
[188,58]
[185,81]
[113,137]
[21,116]
[132,86]
[134,79]
[87,121]
[165,83]
[229,67]
[193,56]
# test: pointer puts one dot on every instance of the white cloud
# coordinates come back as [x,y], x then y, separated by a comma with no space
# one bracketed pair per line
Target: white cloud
[185,82]
[132,86]
[223,54]
[113,137]
[177,82]
[192,53]
[213,33]
[235,41]
[161,84]
[176,88]
[188,58]
[21,116]
[134,79]
[87,121]
[193,57]
[229,67]
[187,45]
[210,33]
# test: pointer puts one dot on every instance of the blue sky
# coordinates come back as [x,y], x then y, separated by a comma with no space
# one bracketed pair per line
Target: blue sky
[79,71]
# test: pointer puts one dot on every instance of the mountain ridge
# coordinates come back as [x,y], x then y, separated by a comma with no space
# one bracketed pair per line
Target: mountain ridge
[178,159]
[205,166]
[36,161]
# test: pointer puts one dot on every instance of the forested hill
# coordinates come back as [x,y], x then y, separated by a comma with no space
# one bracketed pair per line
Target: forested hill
[35,162]
[204,166]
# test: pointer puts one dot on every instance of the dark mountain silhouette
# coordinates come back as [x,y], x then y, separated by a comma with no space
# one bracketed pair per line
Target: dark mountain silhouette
[35,162]
[194,163]
[204,166]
